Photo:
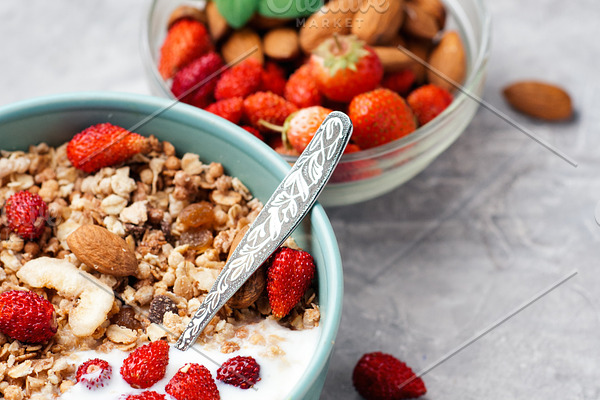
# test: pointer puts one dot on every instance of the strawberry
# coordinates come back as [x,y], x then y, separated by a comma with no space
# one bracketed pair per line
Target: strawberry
[344,67]
[351,148]
[202,73]
[193,382]
[146,395]
[400,81]
[253,131]
[268,107]
[239,371]
[27,214]
[240,81]
[230,109]
[26,316]
[288,277]
[273,79]
[428,101]
[186,40]
[94,373]
[380,376]
[104,145]
[146,365]
[379,117]
[301,89]
[356,170]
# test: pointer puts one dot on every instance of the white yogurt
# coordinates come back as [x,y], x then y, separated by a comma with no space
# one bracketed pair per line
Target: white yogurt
[278,374]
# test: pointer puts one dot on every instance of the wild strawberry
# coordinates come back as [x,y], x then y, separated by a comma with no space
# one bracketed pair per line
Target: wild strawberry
[288,277]
[202,73]
[344,67]
[379,117]
[267,106]
[399,81]
[239,81]
[380,376]
[254,132]
[26,214]
[146,365]
[26,316]
[193,382]
[301,89]
[103,145]
[94,373]
[239,371]
[186,40]
[147,395]
[273,79]
[230,109]
[351,148]
[428,101]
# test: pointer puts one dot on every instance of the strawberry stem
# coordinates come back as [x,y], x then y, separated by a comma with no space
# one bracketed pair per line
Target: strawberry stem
[271,126]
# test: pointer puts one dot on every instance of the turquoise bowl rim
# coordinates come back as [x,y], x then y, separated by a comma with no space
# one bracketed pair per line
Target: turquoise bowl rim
[235,136]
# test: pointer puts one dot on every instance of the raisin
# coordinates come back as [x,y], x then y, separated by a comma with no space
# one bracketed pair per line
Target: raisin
[197,239]
[126,317]
[135,230]
[159,306]
[197,215]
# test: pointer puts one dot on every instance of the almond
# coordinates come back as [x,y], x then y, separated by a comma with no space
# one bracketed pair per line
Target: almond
[102,250]
[217,24]
[435,8]
[333,18]
[378,23]
[282,44]
[393,59]
[419,23]
[420,48]
[540,100]
[186,12]
[449,58]
[241,42]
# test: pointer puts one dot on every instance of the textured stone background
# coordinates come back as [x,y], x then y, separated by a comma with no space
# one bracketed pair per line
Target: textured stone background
[494,221]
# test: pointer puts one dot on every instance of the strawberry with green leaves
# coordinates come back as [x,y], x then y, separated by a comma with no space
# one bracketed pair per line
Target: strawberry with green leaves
[186,40]
[344,67]
[428,101]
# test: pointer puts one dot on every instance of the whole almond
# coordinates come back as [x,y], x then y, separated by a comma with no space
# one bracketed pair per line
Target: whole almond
[186,12]
[281,44]
[333,18]
[449,58]
[540,100]
[421,49]
[419,23]
[378,23]
[393,59]
[102,250]
[435,8]
[239,43]
[217,24]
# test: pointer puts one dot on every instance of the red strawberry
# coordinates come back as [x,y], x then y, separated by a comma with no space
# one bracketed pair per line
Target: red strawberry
[104,145]
[276,143]
[288,277]
[230,109]
[239,371]
[94,373]
[400,81]
[273,79]
[268,107]
[146,365]
[26,213]
[344,67]
[240,81]
[300,127]
[193,382]
[253,131]
[26,316]
[202,73]
[301,89]
[351,148]
[186,40]
[380,376]
[428,101]
[379,117]
[147,395]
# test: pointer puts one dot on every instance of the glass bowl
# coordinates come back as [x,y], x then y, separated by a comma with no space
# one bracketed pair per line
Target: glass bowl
[370,173]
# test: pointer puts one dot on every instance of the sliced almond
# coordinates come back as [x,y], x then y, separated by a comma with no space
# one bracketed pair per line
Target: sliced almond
[540,100]
[393,59]
[449,58]
[419,23]
[102,250]
[217,24]
[378,23]
[186,12]
[282,44]
[241,42]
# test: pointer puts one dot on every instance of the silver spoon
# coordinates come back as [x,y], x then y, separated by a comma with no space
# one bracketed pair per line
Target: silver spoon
[289,204]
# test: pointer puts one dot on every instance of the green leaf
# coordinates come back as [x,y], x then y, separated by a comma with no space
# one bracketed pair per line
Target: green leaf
[237,12]
[288,8]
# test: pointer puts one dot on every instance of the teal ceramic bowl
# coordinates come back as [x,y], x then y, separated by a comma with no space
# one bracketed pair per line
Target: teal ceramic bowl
[55,119]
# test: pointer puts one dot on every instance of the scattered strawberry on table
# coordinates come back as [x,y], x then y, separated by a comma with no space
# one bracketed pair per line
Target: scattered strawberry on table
[321,61]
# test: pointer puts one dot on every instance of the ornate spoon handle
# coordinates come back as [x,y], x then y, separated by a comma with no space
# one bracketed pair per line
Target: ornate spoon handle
[282,213]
